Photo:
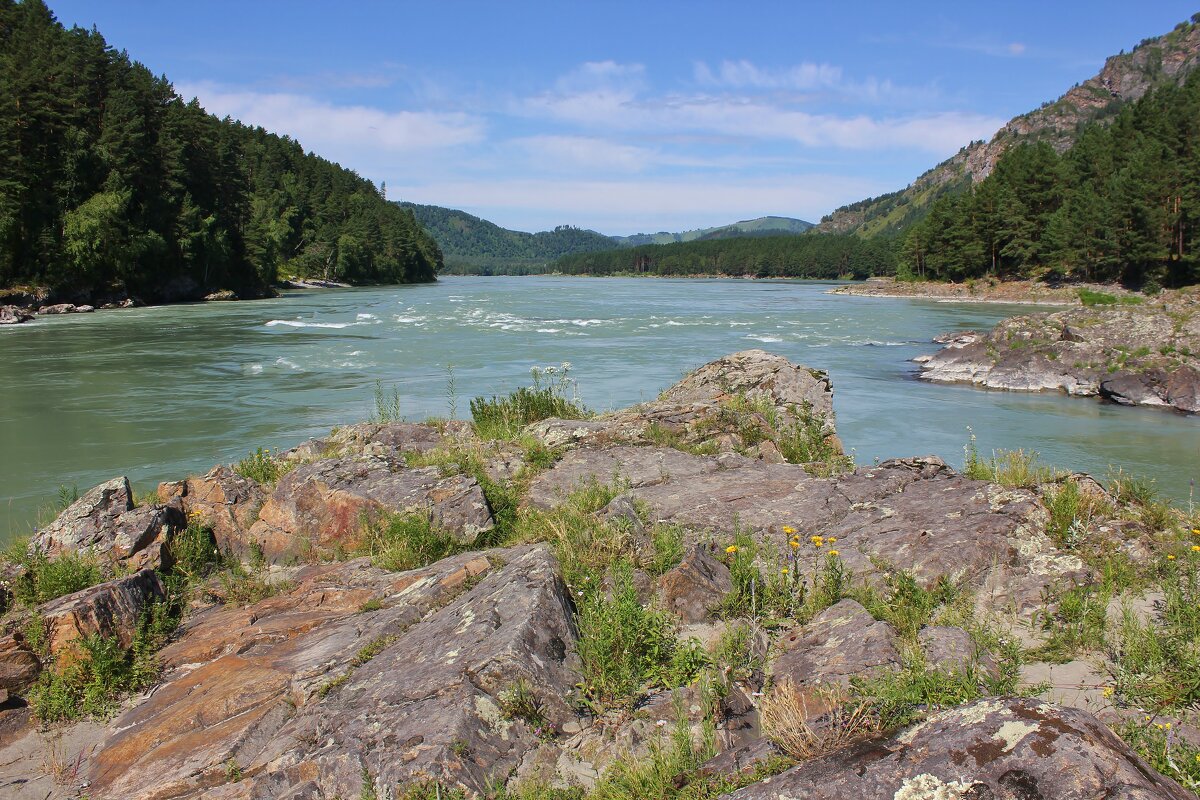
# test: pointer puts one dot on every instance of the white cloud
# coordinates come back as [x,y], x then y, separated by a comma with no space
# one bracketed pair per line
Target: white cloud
[583,153]
[330,129]
[940,133]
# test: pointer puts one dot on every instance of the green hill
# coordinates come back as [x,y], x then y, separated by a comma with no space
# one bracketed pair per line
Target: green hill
[471,245]
[1160,61]
[760,225]
[111,185]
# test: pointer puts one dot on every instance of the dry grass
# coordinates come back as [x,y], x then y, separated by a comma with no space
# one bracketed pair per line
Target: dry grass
[63,769]
[806,725]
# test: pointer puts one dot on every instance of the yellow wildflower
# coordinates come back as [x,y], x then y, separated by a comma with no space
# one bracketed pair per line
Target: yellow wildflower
[1196,548]
[817,540]
[731,549]
[833,552]
[1170,558]
[794,543]
[1109,691]
[831,539]
[783,571]
[788,529]
[1196,531]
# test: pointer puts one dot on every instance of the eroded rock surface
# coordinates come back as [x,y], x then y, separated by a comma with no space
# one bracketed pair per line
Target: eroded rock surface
[323,505]
[284,690]
[1012,748]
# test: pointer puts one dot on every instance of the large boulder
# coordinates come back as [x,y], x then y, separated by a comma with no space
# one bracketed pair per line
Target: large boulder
[314,698]
[324,505]
[14,315]
[105,524]
[222,500]
[1015,748]
[113,610]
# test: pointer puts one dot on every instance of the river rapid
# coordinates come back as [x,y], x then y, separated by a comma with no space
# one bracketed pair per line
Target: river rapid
[158,393]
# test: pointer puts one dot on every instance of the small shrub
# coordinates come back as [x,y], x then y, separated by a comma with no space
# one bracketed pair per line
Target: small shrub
[668,548]
[505,417]
[1090,297]
[387,406]
[519,701]
[261,467]
[242,587]
[622,646]
[48,578]
[399,542]
[1161,744]
[1014,469]
[807,441]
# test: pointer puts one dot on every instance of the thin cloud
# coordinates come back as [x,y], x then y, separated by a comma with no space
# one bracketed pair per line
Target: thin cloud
[583,153]
[745,74]
[318,124]
[630,206]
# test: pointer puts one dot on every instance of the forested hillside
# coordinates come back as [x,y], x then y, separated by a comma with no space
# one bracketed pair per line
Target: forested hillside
[475,246]
[112,185]
[759,226]
[798,256]
[1122,204]
[1160,61]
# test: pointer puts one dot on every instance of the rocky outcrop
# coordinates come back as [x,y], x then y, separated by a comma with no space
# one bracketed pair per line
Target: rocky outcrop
[1137,355]
[913,514]
[990,749]
[353,681]
[112,610]
[694,589]
[323,506]
[314,699]
[841,642]
[745,401]
[105,524]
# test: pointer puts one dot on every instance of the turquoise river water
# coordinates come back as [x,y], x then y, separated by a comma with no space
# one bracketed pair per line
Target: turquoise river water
[158,393]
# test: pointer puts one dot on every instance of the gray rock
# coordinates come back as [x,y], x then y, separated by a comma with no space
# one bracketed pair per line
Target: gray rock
[14,315]
[952,649]
[112,609]
[1013,748]
[841,642]
[426,705]
[695,589]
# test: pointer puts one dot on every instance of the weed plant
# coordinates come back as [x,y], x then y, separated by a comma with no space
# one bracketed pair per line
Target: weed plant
[505,417]
[261,467]
[398,542]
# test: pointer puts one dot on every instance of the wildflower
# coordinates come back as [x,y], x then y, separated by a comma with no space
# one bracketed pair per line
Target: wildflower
[788,529]
[794,543]
[783,571]
[833,552]
[1109,691]
[831,539]
[817,540]
[1196,531]
[1170,558]
[661,723]
[731,549]
[1196,548]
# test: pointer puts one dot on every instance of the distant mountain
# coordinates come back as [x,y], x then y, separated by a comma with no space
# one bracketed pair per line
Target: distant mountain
[473,245]
[759,225]
[1155,62]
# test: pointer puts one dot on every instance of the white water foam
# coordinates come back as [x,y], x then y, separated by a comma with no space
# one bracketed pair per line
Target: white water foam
[294,323]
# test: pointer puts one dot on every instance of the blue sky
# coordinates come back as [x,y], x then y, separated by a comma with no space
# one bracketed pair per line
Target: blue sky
[627,116]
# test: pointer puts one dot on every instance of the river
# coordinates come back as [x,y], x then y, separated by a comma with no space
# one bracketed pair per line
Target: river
[158,393]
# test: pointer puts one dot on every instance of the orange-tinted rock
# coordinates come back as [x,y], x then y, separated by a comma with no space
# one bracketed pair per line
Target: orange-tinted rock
[223,500]
[113,609]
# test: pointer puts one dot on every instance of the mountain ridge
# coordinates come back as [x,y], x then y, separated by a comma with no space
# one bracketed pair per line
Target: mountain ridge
[1124,78]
